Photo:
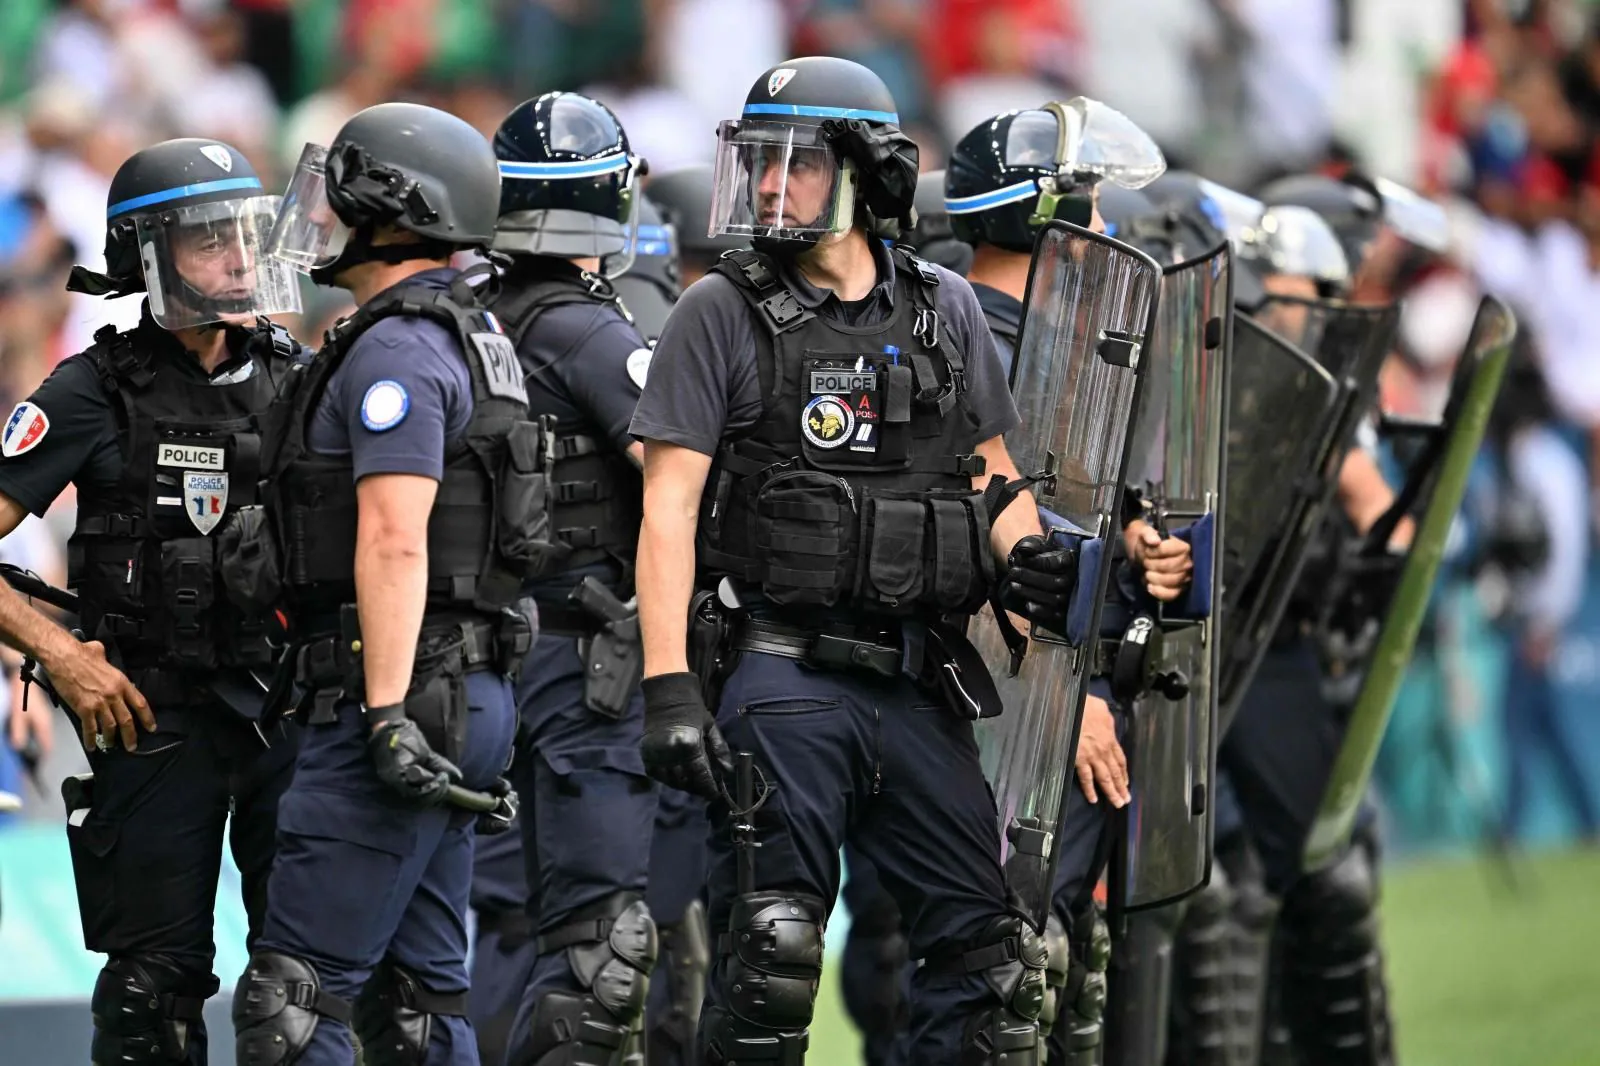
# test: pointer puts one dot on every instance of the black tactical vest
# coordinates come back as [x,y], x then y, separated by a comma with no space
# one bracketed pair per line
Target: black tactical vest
[597,494]
[855,487]
[489,527]
[142,557]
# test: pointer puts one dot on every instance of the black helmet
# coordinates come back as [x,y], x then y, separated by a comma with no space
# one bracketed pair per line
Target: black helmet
[1011,174]
[650,285]
[684,197]
[414,167]
[828,128]
[932,237]
[187,223]
[567,179]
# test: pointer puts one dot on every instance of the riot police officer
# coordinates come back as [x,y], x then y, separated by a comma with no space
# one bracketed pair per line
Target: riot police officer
[404,493]
[158,429]
[818,410]
[997,195]
[567,216]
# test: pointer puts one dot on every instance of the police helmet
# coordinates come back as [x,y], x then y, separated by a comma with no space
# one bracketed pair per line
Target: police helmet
[932,237]
[816,135]
[187,223]
[651,284]
[567,180]
[1200,214]
[413,167]
[1020,169]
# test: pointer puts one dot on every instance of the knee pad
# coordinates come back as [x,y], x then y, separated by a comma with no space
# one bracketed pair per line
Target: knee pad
[1058,959]
[770,963]
[1198,1031]
[611,949]
[394,1016]
[276,1005]
[1334,994]
[1012,959]
[145,1009]
[686,953]
[1083,1005]
[1254,913]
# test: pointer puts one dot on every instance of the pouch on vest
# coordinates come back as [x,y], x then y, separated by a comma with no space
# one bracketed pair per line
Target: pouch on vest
[188,580]
[252,566]
[806,535]
[522,528]
[925,550]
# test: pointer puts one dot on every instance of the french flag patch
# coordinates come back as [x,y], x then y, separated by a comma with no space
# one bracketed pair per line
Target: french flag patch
[24,429]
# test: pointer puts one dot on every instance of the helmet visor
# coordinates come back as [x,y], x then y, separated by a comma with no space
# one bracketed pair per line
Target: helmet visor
[1297,242]
[1415,218]
[1105,144]
[778,181]
[307,233]
[207,263]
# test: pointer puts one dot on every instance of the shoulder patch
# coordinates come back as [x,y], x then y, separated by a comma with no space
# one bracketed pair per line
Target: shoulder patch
[24,429]
[385,405]
[639,366]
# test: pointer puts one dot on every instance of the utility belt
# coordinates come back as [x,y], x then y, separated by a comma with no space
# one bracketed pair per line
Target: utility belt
[326,669]
[936,657]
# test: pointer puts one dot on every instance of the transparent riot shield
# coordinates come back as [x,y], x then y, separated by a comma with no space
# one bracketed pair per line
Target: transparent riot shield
[1089,310]
[1177,463]
[1350,342]
[1283,408]
[1396,591]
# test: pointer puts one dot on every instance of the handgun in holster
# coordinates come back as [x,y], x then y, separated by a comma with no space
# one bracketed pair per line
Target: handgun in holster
[613,656]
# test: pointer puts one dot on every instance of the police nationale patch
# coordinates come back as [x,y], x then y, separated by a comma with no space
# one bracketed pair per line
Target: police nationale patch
[639,366]
[385,405]
[218,155]
[778,79]
[827,421]
[205,498]
[24,430]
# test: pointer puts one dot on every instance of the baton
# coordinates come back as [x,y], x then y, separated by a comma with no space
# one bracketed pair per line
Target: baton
[468,800]
[744,830]
[29,585]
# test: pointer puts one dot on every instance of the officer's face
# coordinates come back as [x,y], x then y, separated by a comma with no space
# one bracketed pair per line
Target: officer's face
[215,261]
[794,195]
[1288,320]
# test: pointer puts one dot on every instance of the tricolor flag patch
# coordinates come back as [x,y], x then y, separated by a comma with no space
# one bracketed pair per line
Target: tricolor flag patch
[24,430]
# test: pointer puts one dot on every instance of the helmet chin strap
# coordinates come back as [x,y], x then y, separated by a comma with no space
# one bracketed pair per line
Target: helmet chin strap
[360,249]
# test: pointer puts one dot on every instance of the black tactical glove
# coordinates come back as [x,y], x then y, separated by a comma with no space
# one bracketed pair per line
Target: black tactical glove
[501,818]
[404,760]
[1039,581]
[886,164]
[681,739]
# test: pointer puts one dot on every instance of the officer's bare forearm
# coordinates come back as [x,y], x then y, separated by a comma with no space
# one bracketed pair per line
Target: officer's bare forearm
[391,579]
[31,633]
[1019,520]
[673,480]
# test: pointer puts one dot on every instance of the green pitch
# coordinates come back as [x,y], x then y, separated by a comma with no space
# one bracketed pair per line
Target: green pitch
[1480,977]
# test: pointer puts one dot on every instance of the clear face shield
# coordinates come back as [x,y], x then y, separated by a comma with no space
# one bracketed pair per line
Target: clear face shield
[1414,218]
[779,181]
[208,263]
[307,233]
[1084,142]
[614,264]
[1297,242]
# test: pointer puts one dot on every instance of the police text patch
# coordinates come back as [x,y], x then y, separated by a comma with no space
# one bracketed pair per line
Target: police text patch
[502,370]
[191,457]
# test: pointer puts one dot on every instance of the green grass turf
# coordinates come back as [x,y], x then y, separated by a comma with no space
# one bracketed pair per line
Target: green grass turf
[1480,977]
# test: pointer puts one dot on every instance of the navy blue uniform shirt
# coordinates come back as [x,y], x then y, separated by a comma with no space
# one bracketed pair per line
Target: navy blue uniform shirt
[401,393]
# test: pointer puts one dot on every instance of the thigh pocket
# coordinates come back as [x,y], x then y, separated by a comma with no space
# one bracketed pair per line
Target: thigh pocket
[789,705]
[596,771]
[345,866]
[99,808]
